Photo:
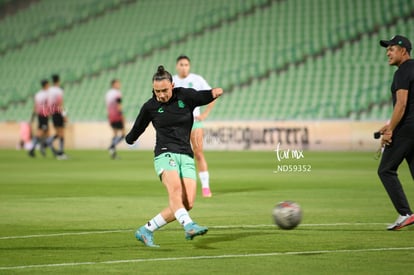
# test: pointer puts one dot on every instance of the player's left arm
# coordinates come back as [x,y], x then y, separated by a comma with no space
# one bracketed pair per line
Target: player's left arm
[119,104]
[216,92]
[120,109]
[209,106]
[397,114]
[64,113]
[203,97]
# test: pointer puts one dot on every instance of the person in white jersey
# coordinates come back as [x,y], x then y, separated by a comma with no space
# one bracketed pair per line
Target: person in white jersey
[185,79]
[56,111]
[41,110]
[116,118]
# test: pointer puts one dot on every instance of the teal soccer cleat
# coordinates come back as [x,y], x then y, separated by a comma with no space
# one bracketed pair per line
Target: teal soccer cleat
[193,229]
[145,236]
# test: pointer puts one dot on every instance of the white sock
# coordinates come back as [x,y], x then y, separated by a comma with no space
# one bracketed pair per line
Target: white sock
[183,217]
[205,179]
[155,223]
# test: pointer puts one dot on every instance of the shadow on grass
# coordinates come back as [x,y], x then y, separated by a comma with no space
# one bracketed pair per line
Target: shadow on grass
[217,236]
[207,242]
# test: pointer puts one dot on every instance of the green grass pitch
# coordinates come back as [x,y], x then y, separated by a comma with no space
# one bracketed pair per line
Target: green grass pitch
[78,216]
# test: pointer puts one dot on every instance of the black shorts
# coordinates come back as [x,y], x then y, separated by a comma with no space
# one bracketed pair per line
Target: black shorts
[43,122]
[119,125]
[58,120]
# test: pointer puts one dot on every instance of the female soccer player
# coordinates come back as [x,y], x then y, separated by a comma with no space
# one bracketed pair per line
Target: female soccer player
[171,112]
[185,79]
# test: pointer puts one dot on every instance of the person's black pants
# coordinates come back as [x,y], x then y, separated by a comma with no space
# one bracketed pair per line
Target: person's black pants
[401,148]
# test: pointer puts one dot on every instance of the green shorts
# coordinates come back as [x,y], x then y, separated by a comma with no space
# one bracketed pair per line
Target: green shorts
[181,163]
[197,124]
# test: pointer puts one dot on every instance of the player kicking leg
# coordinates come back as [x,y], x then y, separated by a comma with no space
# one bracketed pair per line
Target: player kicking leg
[181,195]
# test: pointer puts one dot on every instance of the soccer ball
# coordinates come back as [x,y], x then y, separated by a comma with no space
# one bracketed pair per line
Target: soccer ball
[287,214]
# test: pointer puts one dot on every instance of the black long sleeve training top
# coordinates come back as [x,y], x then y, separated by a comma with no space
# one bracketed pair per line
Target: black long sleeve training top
[172,120]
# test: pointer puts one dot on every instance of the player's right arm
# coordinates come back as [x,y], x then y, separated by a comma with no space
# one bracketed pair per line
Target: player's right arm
[141,123]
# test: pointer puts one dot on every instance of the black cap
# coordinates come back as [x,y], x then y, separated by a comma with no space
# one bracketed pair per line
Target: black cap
[397,40]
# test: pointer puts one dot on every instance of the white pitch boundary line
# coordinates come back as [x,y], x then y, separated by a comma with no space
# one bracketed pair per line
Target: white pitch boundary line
[64,234]
[216,227]
[289,253]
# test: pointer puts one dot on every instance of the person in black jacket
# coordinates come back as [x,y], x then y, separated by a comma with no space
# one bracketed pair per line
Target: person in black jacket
[171,112]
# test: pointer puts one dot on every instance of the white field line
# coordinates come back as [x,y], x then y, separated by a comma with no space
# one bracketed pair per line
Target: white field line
[64,234]
[212,227]
[212,257]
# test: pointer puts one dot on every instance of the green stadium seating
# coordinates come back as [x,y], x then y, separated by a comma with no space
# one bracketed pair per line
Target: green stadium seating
[46,17]
[119,36]
[276,61]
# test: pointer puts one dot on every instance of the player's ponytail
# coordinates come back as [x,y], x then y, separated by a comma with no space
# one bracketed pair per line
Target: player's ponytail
[162,74]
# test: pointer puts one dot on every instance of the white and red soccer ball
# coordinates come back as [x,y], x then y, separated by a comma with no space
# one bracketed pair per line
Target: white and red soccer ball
[287,214]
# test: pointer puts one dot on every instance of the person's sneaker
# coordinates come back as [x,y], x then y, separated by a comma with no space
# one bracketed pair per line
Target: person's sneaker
[54,151]
[193,229]
[408,221]
[207,193]
[62,156]
[145,236]
[43,150]
[112,153]
[397,224]
[32,154]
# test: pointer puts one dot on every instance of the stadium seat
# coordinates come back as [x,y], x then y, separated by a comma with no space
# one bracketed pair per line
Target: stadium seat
[326,54]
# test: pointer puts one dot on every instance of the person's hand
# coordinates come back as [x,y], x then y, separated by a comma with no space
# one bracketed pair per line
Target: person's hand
[386,135]
[216,92]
